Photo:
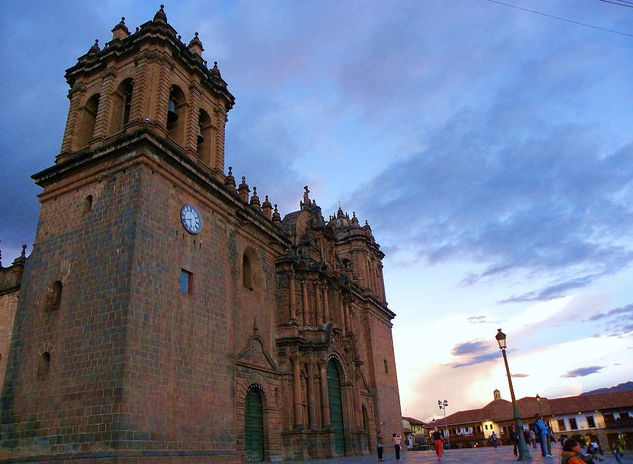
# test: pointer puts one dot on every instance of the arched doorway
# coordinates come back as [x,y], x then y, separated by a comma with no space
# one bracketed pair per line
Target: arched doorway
[336,406]
[254,426]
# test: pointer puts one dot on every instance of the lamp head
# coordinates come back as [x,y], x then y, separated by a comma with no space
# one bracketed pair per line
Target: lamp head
[501,339]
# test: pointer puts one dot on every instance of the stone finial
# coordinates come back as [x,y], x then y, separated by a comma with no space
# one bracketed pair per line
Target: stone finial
[230,180]
[215,71]
[276,216]
[243,190]
[267,208]
[354,219]
[160,16]
[255,199]
[120,31]
[22,258]
[95,48]
[195,46]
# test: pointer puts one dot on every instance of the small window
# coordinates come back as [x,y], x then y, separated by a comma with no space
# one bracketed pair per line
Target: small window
[186,281]
[43,365]
[561,424]
[88,204]
[247,273]
[590,422]
[54,296]
[386,367]
[572,424]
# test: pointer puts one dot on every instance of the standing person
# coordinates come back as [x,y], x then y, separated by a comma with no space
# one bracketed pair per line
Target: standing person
[543,433]
[494,439]
[531,437]
[396,444]
[571,452]
[438,443]
[616,452]
[514,439]
[380,439]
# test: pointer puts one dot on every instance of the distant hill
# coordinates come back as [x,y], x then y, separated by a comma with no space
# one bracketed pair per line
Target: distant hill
[621,387]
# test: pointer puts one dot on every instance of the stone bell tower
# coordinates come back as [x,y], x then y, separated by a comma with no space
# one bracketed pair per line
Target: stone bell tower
[111,346]
[165,314]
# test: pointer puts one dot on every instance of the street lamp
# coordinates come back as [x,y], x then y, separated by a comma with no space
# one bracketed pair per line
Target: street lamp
[443,405]
[524,452]
[538,401]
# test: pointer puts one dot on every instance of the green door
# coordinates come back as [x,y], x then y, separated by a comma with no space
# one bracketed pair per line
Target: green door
[254,427]
[336,407]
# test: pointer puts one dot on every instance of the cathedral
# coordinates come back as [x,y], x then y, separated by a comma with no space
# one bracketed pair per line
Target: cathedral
[167,313]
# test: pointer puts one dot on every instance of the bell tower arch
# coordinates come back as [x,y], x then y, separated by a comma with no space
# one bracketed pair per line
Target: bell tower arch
[148,81]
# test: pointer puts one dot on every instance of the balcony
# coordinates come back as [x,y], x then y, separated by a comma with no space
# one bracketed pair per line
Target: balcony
[610,422]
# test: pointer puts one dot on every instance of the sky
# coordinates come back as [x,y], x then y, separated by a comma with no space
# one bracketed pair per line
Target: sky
[488,143]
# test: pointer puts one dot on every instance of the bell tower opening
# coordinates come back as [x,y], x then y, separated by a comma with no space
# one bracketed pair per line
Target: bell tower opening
[122,104]
[87,122]
[175,115]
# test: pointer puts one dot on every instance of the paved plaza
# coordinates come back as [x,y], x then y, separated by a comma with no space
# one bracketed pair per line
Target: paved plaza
[488,455]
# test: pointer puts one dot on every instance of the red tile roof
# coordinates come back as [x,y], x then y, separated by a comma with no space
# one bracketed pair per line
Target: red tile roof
[413,421]
[501,410]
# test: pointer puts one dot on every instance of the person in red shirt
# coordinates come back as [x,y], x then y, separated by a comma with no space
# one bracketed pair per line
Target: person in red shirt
[438,443]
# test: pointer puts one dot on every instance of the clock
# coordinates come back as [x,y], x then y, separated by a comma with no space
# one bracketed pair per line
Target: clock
[191,219]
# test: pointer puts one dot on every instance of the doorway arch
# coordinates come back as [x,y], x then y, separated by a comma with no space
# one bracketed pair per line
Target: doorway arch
[336,406]
[254,426]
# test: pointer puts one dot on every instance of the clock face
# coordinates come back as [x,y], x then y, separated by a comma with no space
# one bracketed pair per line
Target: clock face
[191,219]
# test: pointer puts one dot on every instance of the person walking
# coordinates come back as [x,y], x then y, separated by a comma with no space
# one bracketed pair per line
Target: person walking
[396,444]
[543,433]
[438,443]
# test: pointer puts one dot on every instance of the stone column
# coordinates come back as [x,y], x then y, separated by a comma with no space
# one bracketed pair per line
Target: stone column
[292,296]
[346,316]
[102,119]
[319,303]
[76,95]
[325,399]
[193,116]
[304,294]
[326,304]
[358,413]
[311,394]
[296,375]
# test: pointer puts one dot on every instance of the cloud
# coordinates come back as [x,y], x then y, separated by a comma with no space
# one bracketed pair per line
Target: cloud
[482,358]
[469,348]
[521,208]
[624,310]
[583,371]
[556,290]
[519,375]
[478,319]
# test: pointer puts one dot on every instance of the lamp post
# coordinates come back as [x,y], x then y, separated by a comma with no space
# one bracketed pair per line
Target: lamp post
[538,401]
[524,452]
[443,405]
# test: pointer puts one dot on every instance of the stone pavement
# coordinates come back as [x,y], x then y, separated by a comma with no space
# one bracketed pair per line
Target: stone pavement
[488,455]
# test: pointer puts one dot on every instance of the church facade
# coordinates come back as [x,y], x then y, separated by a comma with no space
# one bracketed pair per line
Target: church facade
[166,313]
